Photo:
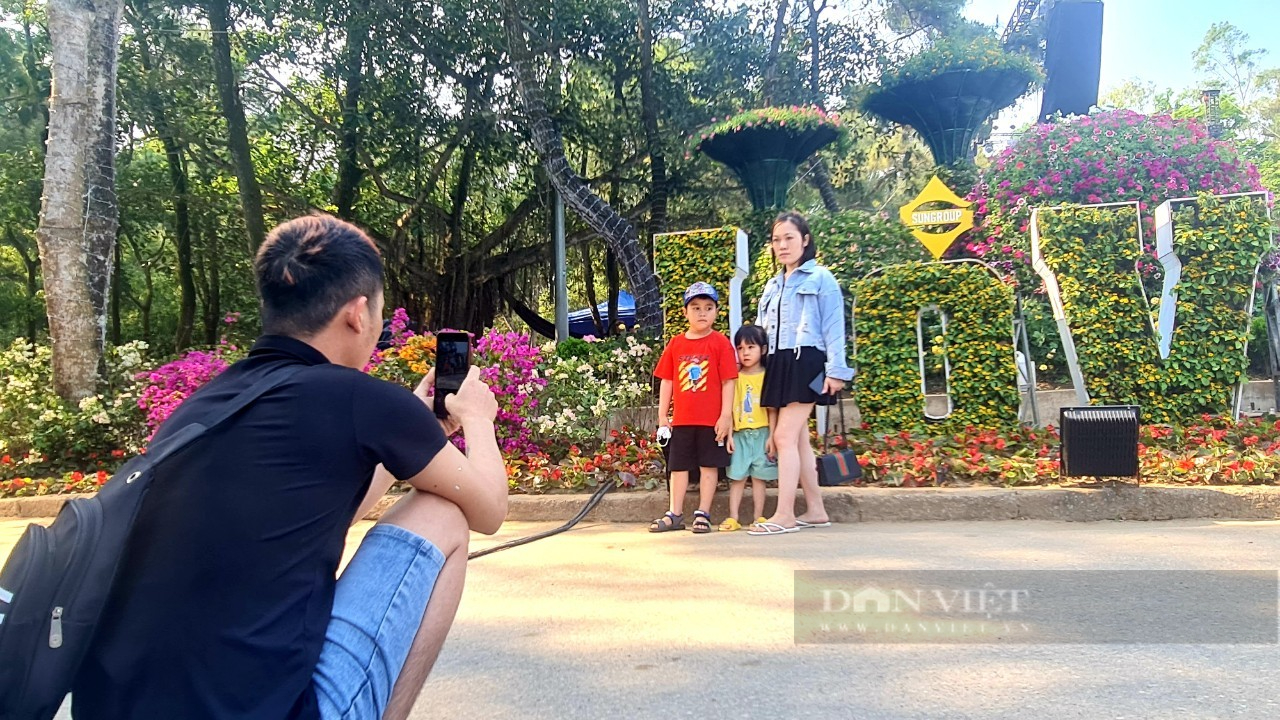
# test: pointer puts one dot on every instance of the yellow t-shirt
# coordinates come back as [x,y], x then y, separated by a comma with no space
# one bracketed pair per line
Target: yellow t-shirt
[747,410]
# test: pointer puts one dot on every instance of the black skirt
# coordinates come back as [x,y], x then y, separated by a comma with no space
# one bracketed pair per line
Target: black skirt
[787,378]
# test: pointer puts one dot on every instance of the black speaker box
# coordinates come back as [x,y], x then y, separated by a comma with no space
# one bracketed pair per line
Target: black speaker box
[1072,57]
[1100,441]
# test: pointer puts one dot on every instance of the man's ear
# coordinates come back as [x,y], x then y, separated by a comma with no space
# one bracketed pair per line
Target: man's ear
[355,314]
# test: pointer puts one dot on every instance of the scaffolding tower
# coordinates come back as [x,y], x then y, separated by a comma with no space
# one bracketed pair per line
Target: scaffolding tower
[1021,18]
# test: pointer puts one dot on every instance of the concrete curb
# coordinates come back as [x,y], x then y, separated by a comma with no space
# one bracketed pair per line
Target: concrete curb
[876,504]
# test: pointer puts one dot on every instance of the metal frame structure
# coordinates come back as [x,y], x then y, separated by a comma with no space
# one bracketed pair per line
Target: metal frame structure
[1166,252]
[1023,14]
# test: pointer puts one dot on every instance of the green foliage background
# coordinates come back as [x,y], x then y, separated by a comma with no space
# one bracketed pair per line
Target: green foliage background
[682,259]
[1093,251]
[979,344]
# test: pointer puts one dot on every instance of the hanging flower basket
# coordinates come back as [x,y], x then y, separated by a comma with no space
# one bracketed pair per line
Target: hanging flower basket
[947,92]
[764,147]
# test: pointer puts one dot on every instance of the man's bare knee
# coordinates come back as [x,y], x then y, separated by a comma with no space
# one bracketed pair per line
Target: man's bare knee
[431,517]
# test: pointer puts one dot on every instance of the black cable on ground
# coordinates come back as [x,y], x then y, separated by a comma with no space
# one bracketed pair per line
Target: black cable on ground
[591,504]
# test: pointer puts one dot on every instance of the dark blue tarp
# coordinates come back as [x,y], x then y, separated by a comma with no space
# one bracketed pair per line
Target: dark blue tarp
[581,323]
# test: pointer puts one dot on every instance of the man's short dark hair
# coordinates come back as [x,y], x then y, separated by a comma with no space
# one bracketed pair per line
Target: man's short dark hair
[311,266]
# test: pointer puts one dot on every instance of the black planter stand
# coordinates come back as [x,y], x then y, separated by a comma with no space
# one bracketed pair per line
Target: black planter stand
[949,108]
[765,158]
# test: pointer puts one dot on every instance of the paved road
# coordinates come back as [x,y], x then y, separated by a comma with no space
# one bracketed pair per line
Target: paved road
[608,621]
[611,622]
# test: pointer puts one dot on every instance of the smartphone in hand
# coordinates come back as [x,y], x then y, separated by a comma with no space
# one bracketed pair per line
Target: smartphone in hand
[453,361]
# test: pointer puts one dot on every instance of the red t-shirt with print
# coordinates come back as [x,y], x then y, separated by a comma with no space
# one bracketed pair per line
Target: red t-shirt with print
[697,370]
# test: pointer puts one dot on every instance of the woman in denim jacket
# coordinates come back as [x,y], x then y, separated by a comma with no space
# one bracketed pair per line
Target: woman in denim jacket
[803,311]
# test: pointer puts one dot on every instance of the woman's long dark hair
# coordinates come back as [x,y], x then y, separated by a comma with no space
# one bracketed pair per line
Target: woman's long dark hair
[811,249]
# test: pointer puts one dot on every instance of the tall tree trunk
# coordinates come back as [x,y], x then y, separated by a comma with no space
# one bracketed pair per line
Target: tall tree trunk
[615,229]
[30,257]
[237,127]
[611,274]
[78,213]
[615,198]
[818,174]
[176,162]
[775,50]
[147,301]
[186,273]
[346,189]
[589,286]
[457,298]
[649,118]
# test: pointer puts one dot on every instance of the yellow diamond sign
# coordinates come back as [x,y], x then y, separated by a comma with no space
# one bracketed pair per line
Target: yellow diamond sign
[957,215]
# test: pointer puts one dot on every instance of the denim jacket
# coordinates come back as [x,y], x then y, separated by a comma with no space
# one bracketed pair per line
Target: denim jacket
[812,315]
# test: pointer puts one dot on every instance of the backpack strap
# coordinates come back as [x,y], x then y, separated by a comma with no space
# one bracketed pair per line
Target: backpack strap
[188,433]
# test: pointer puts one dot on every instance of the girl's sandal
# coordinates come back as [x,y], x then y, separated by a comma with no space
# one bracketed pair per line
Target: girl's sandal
[667,522]
[701,522]
[730,524]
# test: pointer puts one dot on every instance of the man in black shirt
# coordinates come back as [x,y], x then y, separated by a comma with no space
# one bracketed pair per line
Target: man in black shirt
[227,605]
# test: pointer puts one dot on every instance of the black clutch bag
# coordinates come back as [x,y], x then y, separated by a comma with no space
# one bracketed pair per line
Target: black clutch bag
[837,467]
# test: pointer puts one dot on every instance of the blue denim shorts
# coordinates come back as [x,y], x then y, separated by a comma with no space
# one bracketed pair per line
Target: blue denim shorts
[377,608]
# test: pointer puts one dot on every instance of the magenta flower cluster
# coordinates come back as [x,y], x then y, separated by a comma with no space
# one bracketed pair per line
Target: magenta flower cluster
[398,328]
[1114,156]
[168,385]
[509,365]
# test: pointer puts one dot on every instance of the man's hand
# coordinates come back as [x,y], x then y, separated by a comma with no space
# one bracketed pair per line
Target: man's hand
[476,401]
[426,391]
[473,401]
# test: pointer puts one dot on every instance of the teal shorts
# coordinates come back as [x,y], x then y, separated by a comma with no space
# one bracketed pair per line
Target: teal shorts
[748,458]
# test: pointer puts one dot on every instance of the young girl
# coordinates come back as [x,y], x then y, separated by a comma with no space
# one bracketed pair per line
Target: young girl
[751,451]
[802,310]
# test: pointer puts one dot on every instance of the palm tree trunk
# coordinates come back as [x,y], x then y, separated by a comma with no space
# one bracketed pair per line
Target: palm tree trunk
[547,142]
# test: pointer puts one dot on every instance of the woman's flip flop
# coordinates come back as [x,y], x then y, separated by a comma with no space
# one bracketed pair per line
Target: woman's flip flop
[770,528]
[803,524]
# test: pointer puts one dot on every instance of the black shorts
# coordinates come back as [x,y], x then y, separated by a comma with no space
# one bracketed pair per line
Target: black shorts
[693,447]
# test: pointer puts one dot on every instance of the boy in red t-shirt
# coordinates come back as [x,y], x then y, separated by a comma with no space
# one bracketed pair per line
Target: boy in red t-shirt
[697,369]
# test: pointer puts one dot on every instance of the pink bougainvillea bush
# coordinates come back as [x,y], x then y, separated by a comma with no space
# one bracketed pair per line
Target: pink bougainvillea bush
[508,363]
[165,387]
[1108,157]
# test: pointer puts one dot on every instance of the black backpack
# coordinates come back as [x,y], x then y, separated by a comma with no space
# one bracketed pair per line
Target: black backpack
[55,584]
